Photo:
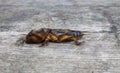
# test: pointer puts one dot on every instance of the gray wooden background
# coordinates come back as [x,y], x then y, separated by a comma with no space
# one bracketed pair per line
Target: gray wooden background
[100,53]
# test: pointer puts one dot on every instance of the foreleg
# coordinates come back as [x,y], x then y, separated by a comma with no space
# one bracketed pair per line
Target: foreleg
[50,37]
[45,41]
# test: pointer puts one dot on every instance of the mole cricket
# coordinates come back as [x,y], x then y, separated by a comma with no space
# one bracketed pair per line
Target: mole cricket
[45,35]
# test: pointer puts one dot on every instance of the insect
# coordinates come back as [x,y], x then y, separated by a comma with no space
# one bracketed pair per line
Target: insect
[45,35]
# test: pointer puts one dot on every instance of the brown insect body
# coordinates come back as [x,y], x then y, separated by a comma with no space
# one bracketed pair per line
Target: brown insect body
[45,35]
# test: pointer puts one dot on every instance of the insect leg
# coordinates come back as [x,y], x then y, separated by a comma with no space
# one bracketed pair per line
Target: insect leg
[64,38]
[45,41]
[76,41]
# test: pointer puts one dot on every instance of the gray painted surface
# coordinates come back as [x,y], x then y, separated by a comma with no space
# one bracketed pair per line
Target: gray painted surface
[100,53]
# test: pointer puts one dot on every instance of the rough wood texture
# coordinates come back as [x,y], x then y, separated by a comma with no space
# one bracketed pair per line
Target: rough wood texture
[100,53]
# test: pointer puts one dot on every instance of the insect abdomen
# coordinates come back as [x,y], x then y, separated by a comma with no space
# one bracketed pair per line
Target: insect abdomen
[74,33]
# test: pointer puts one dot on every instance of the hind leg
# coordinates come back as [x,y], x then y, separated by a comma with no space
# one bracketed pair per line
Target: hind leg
[70,38]
[76,41]
[64,38]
